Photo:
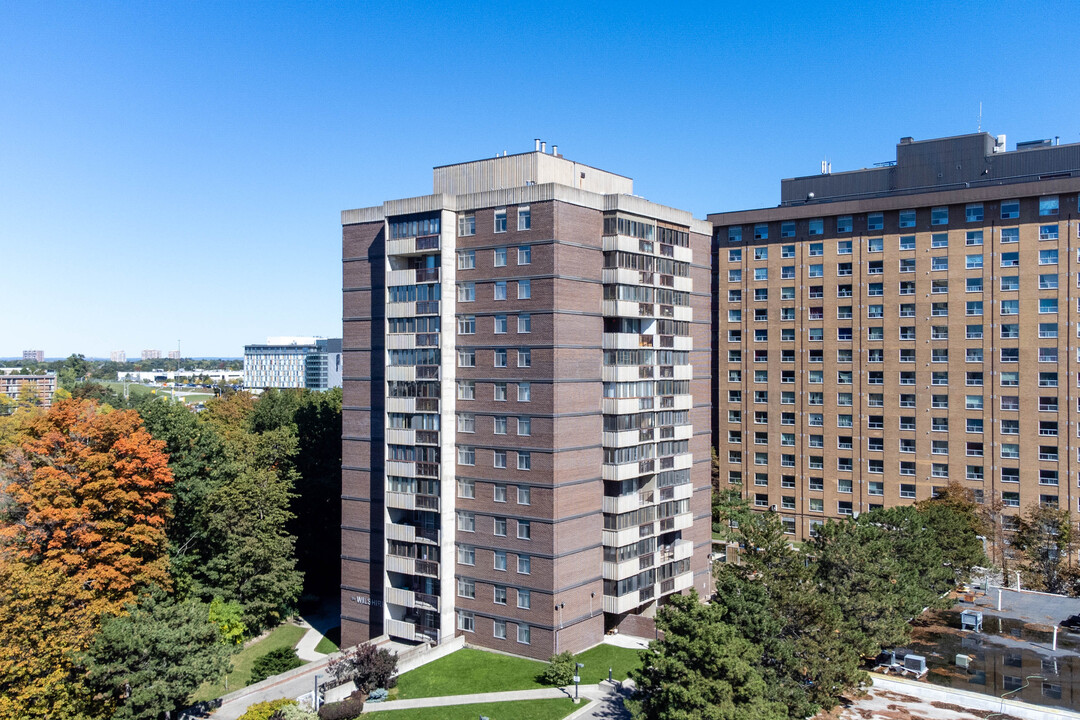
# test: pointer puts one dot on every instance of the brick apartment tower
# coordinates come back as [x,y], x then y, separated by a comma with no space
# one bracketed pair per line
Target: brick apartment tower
[527,405]
[884,331]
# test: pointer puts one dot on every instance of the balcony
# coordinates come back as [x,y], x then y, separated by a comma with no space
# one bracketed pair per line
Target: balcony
[647,309]
[427,340]
[400,436]
[427,372]
[427,307]
[427,470]
[398,596]
[427,404]
[426,437]
[427,275]
[427,502]
[427,242]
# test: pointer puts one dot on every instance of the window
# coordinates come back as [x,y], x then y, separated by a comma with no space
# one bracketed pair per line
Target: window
[466,259]
[466,555]
[466,621]
[466,423]
[787,272]
[1010,235]
[500,560]
[974,237]
[500,324]
[1048,205]
[761,294]
[1010,355]
[524,358]
[500,222]
[907,491]
[466,226]
[907,218]
[524,634]
[524,564]
[466,357]
[939,263]
[974,332]
[1048,305]
[939,240]
[875,245]
[499,457]
[816,226]
[466,389]
[843,247]
[500,424]
[907,265]
[734,255]
[1010,307]
[761,273]
[1010,209]
[938,287]
[1048,232]
[524,217]
[760,253]
[466,292]
[734,295]
[498,630]
[500,391]
[974,212]
[974,284]
[467,325]
[1048,281]
[524,460]
[1048,330]
[734,233]
[1010,379]
[466,521]
[816,271]
[1010,330]
[524,598]
[524,254]
[1048,257]
[524,495]
[499,495]
[524,289]
[524,530]
[524,392]
[1010,282]
[875,289]
[939,216]
[939,309]
[974,262]
[466,588]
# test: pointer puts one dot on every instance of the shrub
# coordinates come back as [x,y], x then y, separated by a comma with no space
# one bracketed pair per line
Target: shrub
[294,712]
[274,662]
[369,667]
[265,710]
[378,695]
[560,670]
[347,709]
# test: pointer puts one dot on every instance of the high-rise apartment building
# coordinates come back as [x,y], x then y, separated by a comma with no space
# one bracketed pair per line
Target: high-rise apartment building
[885,331]
[118,356]
[174,354]
[526,424]
[151,354]
[34,355]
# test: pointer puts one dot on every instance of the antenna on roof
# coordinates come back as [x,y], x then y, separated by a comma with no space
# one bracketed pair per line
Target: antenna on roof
[980,116]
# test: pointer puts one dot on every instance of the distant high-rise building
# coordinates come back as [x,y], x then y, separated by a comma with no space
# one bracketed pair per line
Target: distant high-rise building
[118,356]
[526,453]
[44,386]
[151,354]
[174,354]
[884,332]
[293,362]
[33,355]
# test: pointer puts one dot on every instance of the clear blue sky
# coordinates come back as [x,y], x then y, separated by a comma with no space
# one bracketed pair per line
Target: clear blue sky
[175,171]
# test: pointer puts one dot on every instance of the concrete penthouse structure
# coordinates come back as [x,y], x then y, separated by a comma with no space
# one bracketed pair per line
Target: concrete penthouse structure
[33,355]
[885,331]
[294,362]
[526,423]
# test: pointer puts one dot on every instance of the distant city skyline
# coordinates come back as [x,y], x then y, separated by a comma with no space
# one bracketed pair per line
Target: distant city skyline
[177,171]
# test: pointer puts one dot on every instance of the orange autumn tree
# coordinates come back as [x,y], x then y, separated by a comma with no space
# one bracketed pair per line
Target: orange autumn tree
[84,498]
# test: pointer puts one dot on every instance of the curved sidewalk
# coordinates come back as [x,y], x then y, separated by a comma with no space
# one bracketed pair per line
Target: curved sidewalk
[592,692]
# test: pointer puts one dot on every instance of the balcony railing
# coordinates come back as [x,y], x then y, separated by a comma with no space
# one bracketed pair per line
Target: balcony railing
[645,371]
[427,372]
[429,534]
[427,307]
[645,309]
[667,586]
[645,562]
[427,275]
[646,594]
[646,466]
[427,242]
[666,433]
[425,600]
[427,502]
[667,250]
[667,311]
[427,437]
[645,434]
[427,567]
[427,469]
[667,371]
[645,340]
[667,280]
[427,404]
[645,497]
[667,341]
[646,278]
[427,339]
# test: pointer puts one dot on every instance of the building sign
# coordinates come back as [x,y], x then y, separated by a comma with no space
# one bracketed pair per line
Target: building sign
[366,600]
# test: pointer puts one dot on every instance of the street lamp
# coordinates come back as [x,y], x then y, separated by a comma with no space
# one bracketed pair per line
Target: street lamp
[577,679]
[315,697]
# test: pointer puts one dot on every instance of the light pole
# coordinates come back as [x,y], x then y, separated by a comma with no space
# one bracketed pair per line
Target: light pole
[559,607]
[577,679]
[315,697]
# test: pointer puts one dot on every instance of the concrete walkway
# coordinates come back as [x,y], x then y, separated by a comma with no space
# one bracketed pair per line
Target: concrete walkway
[627,641]
[591,692]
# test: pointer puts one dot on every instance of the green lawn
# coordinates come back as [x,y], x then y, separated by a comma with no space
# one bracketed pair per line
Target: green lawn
[470,671]
[476,671]
[523,710]
[330,641]
[598,659]
[286,635]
